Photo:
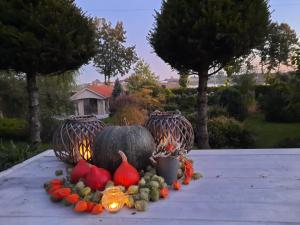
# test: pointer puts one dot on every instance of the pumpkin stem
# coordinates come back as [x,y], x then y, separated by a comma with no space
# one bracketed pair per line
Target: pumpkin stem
[123,156]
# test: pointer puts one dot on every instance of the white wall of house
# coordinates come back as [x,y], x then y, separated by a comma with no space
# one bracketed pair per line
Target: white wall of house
[80,97]
[80,107]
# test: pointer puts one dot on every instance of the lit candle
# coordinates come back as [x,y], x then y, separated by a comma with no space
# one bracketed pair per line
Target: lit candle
[113,199]
[85,150]
[113,205]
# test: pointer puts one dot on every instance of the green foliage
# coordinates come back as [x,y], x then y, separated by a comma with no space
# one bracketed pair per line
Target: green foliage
[54,94]
[45,36]
[216,111]
[226,132]
[131,115]
[234,67]
[112,56]
[121,102]
[199,36]
[230,98]
[183,80]
[117,89]
[142,77]
[13,128]
[12,153]
[279,48]
[282,102]
[182,99]
[13,96]
[245,83]
[194,35]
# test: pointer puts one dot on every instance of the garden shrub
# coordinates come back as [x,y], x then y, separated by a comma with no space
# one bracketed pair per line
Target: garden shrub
[13,128]
[12,152]
[216,111]
[48,127]
[121,102]
[227,132]
[282,101]
[231,99]
[132,114]
[182,99]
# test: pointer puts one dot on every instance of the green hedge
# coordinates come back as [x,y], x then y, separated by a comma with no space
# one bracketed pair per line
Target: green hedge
[227,132]
[13,128]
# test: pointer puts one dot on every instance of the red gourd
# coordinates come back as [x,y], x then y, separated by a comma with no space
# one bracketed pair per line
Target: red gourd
[126,174]
[80,171]
[97,178]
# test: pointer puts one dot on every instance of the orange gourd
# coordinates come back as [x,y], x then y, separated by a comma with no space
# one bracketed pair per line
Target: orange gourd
[176,185]
[164,192]
[98,208]
[72,199]
[126,175]
[61,193]
[90,206]
[81,206]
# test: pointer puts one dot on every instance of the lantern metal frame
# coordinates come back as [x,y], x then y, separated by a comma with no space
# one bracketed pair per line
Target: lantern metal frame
[74,138]
[171,127]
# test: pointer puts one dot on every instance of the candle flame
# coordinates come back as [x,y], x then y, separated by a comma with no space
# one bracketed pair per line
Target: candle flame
[113,205]
[85,150]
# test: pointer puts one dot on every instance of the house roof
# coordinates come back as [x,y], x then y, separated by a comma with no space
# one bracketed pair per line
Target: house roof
[97,91]
[101,89]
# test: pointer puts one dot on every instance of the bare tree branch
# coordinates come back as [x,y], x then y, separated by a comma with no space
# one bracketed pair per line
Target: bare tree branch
[216,71]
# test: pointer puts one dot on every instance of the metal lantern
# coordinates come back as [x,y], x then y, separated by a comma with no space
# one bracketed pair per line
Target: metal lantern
[169,128]
[74,139]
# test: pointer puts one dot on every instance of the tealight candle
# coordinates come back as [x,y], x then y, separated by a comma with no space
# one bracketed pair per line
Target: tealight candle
[113,199]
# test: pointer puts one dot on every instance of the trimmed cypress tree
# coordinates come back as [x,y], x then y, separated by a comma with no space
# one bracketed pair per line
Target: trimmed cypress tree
[117,89]
[42,37]
[203,36]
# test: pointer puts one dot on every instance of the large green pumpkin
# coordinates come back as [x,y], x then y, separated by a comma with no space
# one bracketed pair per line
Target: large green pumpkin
[135,141]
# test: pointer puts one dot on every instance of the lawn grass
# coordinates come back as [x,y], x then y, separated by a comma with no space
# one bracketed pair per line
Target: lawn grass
[268,134]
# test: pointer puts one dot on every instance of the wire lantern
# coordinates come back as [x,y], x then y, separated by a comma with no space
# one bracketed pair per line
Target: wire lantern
[171,128]
[74,138]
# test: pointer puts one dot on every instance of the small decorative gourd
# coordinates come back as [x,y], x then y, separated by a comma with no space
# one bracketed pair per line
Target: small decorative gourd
[126,175]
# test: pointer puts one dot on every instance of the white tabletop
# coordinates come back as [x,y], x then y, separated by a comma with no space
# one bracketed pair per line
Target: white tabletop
[240,187]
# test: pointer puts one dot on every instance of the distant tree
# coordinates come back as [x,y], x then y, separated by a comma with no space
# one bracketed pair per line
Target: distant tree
[142,77]
[183,79]
[203,36]
[144,86]
[117,89]
[279,47]
[112,56]
[43,37]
